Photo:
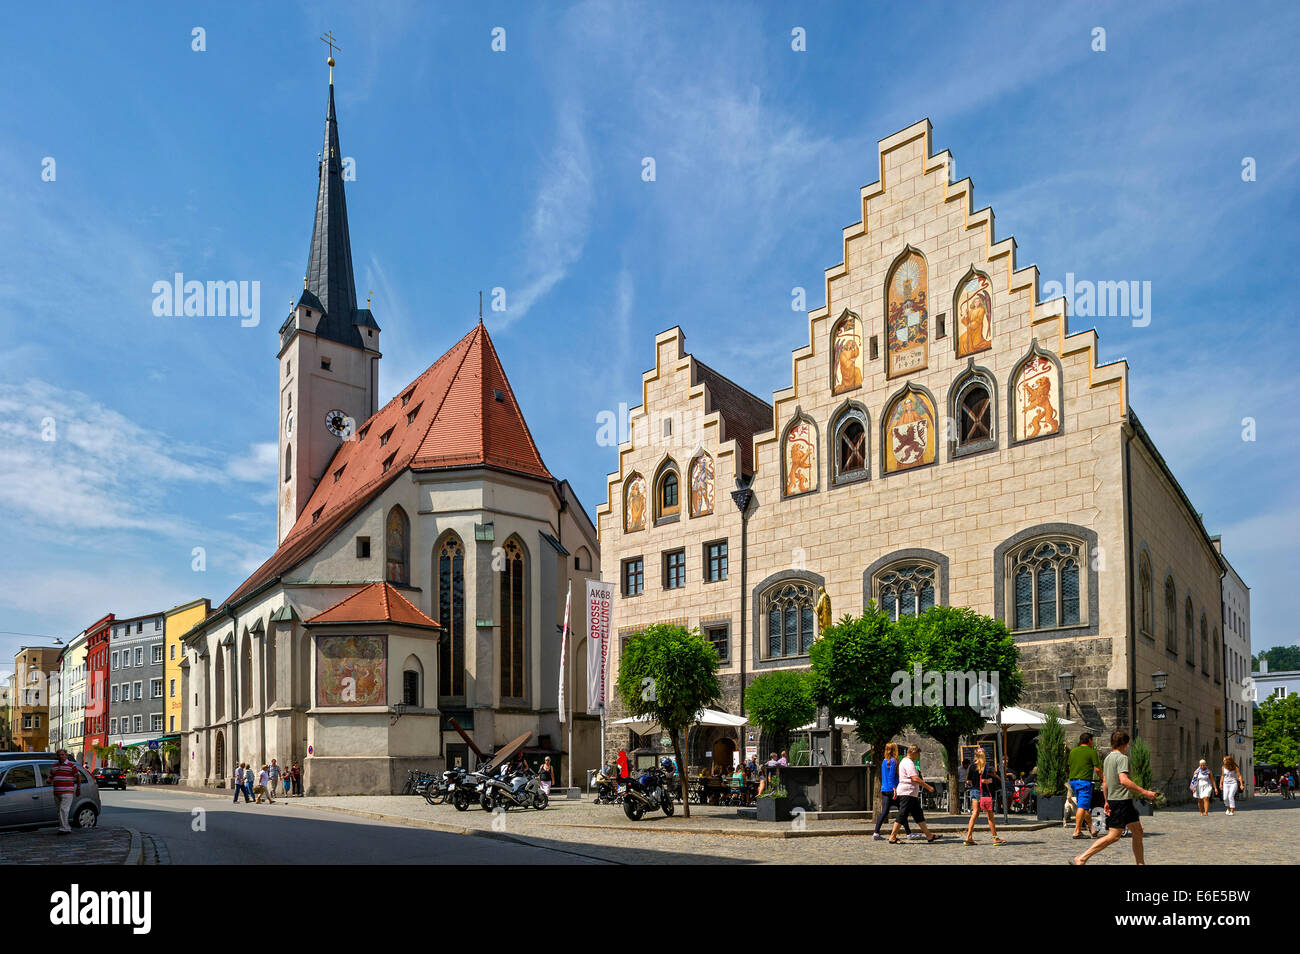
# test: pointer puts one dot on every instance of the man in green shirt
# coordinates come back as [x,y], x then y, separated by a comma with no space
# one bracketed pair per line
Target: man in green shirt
[1085,767]
[1118,790]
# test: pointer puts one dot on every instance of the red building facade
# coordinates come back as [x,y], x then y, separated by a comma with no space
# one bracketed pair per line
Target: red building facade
[96,731]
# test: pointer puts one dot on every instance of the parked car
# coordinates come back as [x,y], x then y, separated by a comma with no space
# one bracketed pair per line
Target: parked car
[28,756]
[27,797]
[109,776]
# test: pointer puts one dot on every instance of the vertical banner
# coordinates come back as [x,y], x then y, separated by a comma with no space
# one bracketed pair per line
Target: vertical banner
[564,645]
[600,604]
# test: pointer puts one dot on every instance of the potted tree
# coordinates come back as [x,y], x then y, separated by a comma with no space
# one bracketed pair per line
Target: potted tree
[1139,770]
[778,702]
[1052,769]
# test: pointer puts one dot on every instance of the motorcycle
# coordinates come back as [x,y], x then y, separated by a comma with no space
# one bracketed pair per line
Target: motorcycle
[466,788]
[607,792]
[647,793]
[518,790]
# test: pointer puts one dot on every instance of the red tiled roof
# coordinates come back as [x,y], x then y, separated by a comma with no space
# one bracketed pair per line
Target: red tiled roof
[376,603]
[450,417]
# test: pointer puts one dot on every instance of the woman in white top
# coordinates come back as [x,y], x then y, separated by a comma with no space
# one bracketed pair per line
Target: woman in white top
[1203,787]
[1230,782]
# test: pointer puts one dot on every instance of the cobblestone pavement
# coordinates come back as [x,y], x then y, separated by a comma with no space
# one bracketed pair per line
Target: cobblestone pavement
[1257,834]
[96,846]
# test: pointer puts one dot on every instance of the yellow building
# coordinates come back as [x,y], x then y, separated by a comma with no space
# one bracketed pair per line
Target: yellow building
[74,698]
[178,621]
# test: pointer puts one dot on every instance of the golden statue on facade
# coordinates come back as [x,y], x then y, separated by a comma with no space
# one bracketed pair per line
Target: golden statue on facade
[823,610]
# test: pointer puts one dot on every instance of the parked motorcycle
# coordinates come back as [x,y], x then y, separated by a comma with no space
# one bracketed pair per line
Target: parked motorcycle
[466,788]
[513,790]
[607,792]
[646,793]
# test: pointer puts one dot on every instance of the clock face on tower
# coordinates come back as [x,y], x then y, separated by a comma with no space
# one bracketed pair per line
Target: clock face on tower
[339,424]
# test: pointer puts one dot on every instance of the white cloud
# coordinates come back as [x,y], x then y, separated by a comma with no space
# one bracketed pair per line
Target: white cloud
[257,465]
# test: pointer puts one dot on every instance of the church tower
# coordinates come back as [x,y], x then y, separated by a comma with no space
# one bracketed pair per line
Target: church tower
[329,348]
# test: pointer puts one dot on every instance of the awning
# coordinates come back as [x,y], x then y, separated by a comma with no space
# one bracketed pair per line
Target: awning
[841,722]
[1014,717]
[648,726]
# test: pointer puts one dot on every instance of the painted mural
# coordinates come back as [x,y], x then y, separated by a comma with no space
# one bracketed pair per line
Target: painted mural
[974,315]
[1037,400]
[702,486]
[909,432]
[907,343]
[634,504]
[800,458]
[351,670]
[846,354]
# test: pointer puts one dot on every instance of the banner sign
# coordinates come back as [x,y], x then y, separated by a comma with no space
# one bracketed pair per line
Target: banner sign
[600,605]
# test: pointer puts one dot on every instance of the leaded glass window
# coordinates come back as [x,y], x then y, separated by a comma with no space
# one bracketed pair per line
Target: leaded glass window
[512,621]
[1171,616]
[451,616]
[791,623]
[906,589]
[1046,588]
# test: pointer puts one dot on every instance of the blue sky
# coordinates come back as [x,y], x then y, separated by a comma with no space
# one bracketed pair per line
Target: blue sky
[522,170]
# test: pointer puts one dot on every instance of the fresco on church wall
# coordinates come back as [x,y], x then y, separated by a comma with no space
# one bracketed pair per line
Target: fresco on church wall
[909,432]
[974,315]
[846,355]
[907,343]
[800,459]
[351,670]
[634,504]
[1037,400]
[702,486]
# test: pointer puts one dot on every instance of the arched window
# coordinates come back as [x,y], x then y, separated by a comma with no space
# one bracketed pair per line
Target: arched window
[791,623]
[288,462]
[1171,616]
[1046,585]
[667,491]
[412,681]
[246,675]
[268,665]
[451,617]
[907,309]
[397,548]
[973,307]
[907,430]
[514,582]
[634,503]
[1218,657]
[799,456]
[1035,396]
[1145,626]
[219,697]
[1189,633]
[582,559]
[846,354]
[852,449]
[971,406]
[702,485]
[1205,646]
[905,589]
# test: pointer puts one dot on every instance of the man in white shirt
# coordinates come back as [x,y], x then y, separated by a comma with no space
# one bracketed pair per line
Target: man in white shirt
[239,784]
[909,796]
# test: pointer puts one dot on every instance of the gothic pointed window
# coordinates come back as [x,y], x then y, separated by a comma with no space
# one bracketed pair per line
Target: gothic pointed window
[288,462]
[905,589]
[852,451]
[1171,616]
[1045,583]
[667,491]
[791,623]
[514,582]
[451,617]
[1218,657]
[1205,646]
[1189,632]
[1145,625]
[971,407]
[397,548]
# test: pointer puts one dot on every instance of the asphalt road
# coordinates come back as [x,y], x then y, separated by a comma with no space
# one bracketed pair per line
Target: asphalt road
[222,833]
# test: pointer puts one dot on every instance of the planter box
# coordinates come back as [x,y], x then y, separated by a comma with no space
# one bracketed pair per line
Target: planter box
[1051,808]
[773,809]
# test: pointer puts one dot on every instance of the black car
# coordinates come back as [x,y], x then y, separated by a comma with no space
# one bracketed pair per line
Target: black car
[109,777]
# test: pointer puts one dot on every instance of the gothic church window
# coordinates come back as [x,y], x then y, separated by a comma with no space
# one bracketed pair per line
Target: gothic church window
[905,589]
[1046,588]
[1189,632]
[851,451]
[1171,616]
[513,605]
[1145,625]
[971,407]
[667,491]
[451,617]
[791,623]
[397,548]
[1205,646]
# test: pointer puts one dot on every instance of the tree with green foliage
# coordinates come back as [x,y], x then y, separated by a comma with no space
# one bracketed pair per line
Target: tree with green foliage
[780,701]
[1052,766]
[853,664]
[1277,731]
[966,649]
[668,674]
[1280,659]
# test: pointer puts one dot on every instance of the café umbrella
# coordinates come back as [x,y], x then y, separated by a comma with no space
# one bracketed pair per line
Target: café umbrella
[645,725]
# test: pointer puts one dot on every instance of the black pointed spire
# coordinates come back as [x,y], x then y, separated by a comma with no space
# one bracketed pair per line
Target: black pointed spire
[329,264]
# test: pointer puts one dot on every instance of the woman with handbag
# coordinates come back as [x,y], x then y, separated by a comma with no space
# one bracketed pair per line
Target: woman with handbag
[1203,787]
[980,778]
[1230,784]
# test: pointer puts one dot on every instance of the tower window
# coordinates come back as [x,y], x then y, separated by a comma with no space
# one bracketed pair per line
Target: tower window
[407,397]
[363,548]
[324,364]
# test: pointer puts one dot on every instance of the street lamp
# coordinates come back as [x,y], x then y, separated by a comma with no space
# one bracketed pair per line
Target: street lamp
[1159,679]
[1066,681]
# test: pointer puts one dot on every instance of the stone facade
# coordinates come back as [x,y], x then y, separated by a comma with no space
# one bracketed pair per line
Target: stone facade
[941,427]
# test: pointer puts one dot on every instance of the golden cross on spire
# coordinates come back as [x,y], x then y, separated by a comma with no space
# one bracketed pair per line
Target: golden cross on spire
[329,40]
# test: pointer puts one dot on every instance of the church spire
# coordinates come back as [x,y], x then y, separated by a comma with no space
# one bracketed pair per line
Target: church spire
[329,263]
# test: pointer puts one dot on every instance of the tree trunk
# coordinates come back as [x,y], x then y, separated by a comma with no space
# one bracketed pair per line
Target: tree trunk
[681,775]
[878,758]
[952,748]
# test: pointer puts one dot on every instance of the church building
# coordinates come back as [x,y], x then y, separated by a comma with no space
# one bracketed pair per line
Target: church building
[424,554]
[946,439]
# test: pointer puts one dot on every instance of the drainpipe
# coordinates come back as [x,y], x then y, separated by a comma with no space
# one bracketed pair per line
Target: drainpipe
[1128,583]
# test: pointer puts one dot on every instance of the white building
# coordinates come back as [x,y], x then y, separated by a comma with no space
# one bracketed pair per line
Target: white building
[1236,671]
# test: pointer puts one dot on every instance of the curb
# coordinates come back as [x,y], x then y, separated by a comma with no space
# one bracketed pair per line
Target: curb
[135,853]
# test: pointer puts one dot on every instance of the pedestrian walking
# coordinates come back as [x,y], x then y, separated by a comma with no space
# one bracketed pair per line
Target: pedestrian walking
[296,773]
[1230,783]
[1085,767]
[545,775]
[888,785]
[240,787]
[1117,790]
[980,777]
[260,788]
[909,796]
[274,773]
[1203,786]
[285,781]
[66,779]
[249,776]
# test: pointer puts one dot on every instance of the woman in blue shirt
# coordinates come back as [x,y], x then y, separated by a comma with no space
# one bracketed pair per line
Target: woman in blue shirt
[888,782]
